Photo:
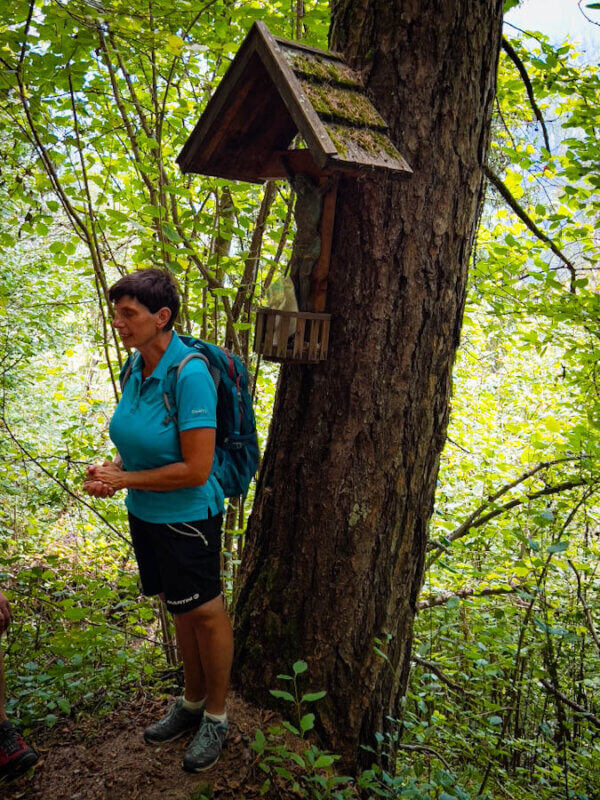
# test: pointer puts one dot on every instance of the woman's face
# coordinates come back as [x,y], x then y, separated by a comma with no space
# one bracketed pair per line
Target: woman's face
[136,324]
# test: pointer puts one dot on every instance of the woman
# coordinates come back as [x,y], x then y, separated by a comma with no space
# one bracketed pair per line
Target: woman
[175,504]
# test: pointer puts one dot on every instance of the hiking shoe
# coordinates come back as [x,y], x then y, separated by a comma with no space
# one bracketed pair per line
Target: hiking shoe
[15,756]
[205,748]
[174,724]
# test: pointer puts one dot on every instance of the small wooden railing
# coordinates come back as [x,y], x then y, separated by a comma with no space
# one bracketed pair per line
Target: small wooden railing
[299,337]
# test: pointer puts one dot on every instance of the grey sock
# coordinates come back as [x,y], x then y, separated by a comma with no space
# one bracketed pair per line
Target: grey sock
[195,706]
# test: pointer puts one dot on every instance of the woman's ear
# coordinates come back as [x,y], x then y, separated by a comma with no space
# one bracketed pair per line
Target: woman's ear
[163,315]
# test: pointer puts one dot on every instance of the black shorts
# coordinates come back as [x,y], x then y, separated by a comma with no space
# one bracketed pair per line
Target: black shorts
[180,559]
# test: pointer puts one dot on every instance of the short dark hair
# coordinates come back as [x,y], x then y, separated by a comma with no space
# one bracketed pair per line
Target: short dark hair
[153,288]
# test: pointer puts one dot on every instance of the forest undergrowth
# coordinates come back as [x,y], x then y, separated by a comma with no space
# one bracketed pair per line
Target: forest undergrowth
[503,698]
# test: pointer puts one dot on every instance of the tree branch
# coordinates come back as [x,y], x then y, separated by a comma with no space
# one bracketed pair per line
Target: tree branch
[467,591]
[506,128]
[282,240]
[126,121]
[586,609]
[512,54]
[420,748]
[52,477]
[526,617]
[32,134]
[93,245]
[212,282]
[525,218]
[429,665]
[25,33]
[169,79]
[133,94]
[248,280]
[475,520]
[571,703]
[589,19]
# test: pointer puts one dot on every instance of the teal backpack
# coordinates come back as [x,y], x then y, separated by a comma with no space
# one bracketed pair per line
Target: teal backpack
[236,452]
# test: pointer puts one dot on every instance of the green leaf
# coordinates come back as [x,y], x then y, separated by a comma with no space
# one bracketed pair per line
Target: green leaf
[284,773]
[324,761]
[118,216]
[296,759]
[259,742]
[381,654]
[307,723]
[153,211]
[310,697]
[556,631]
[64,705]
[291,728]
[559,547]
[281,695]
[170,232]
[299,667]
[174,44]
[75,614]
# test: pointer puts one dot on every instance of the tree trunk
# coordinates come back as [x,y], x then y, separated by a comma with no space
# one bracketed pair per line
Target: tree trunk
[336,541]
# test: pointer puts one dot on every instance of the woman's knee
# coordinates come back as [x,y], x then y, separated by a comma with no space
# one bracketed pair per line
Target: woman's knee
[206,613]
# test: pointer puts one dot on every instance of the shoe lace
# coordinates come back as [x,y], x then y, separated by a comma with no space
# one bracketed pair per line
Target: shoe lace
[174,710]
[207,735]
[10,740]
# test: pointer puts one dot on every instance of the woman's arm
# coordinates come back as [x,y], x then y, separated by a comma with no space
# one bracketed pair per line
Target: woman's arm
[197,451]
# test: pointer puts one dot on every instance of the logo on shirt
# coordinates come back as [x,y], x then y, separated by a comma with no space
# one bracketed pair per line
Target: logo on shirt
[199,411]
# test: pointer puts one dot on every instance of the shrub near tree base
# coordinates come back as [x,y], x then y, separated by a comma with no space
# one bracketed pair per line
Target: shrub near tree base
[309,771]
[79,632]
[292,764]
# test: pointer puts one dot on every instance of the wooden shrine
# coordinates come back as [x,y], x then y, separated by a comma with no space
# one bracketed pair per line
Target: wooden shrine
[277,92]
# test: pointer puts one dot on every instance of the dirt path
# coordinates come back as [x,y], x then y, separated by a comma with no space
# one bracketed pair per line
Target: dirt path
[106,759]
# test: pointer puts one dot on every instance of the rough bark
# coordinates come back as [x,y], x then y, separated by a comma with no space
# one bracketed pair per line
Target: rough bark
[336,541]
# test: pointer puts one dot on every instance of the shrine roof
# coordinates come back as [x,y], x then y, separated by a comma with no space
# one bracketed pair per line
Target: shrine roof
[278,92]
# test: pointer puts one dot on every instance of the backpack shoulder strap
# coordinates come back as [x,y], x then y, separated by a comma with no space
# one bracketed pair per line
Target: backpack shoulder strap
[202,350]
[127,369]
[188,358]
[176,368]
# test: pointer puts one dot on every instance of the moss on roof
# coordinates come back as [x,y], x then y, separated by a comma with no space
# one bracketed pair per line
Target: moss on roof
[327,70]
[356,144]
[347,105]
[336,93]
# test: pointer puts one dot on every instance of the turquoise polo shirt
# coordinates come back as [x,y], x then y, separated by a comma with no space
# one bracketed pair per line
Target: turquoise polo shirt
[146,438]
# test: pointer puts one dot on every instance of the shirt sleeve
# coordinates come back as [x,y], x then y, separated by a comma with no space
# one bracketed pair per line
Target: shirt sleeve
[196,397]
